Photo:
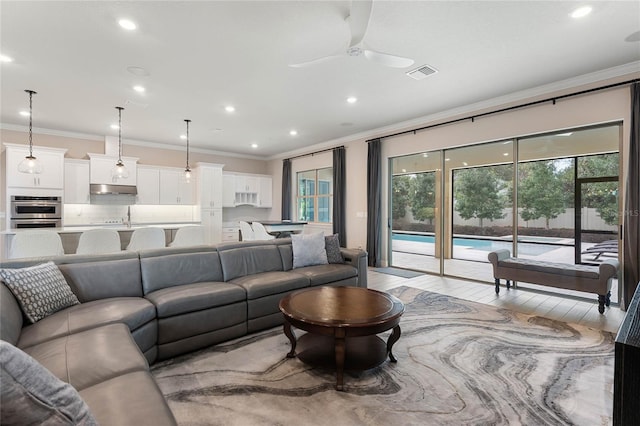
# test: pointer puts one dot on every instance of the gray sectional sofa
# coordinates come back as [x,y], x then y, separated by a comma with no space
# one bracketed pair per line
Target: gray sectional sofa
[139,307]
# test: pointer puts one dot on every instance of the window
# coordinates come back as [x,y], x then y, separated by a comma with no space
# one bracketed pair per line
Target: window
[315,193]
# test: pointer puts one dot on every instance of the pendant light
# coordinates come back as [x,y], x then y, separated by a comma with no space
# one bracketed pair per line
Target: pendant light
[187,169]
[119,171]
[30,164]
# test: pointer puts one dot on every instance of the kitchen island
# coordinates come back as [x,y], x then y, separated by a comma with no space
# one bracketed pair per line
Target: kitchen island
[70,235]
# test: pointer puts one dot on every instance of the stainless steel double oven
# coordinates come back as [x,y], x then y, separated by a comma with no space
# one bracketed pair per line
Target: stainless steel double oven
[35,212]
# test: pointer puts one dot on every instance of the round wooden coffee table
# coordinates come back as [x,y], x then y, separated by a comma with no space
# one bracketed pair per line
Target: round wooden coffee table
[341,325]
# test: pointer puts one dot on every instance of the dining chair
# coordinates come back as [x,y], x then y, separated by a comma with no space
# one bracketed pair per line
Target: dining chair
[260,233]
[147,238]
[188,236]
[246,231]
[98,241]
[35,243]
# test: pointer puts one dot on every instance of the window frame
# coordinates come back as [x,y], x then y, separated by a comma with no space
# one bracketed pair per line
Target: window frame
[316,197]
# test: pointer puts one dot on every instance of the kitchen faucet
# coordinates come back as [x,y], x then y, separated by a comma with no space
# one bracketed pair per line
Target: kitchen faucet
[128,217]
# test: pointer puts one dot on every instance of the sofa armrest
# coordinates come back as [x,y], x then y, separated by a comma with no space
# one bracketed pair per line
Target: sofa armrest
[608,269]
[358,259]
[498,255]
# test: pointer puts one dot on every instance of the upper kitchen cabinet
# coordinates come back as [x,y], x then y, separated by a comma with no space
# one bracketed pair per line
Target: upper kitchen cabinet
[52,160]
[228,190]
[266,192]
[76,182]
[209,185]
[148,185]
[101,166]
[174,189]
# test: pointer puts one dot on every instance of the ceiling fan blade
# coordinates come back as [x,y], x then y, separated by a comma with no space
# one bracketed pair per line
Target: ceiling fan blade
[358,20]
[314,61]
[388,60]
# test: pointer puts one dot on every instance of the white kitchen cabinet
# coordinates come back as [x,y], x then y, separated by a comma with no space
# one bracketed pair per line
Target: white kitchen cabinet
[174,189]
[230,234]
[247,183]
[102,165]
[228,190]
[148,185]
[76,182]
[211,221]
[266,192]
[209,185]
[52,160]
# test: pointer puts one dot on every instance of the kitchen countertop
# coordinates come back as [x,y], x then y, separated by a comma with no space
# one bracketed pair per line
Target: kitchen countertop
[117,226]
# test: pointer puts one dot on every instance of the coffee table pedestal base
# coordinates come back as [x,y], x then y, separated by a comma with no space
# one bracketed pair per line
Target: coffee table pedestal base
[360,353]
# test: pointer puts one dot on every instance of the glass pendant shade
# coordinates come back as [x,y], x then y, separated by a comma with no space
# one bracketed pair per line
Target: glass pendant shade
[119,171]
[187,169]
[30,164]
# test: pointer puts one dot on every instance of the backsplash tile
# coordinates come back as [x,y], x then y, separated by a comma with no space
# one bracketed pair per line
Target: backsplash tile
[89,214]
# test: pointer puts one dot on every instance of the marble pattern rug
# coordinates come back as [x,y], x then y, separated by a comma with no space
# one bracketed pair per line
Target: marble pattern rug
[459,363]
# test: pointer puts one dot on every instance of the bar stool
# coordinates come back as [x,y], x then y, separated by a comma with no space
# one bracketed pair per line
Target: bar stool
[246,231]
[260,233]
[188,236]
[99,241]
[35,243]
[146,238]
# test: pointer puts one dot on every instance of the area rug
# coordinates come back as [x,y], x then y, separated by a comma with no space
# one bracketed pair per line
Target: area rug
[398,272]
[459,363]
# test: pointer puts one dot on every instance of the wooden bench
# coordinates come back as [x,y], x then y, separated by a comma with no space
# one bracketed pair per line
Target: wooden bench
[590,279]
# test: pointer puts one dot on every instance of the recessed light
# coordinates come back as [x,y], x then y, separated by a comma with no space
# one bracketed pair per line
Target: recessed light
[293,132]
[352,99]
[127,24]
[447,159]
[506,154]
[404,170]
[183,137]
[464,163]
[5,58]
[581,12]
[115,126]
[425,155]
[139,89]
[24,113]
[254,145]
[230,108]
[565,134]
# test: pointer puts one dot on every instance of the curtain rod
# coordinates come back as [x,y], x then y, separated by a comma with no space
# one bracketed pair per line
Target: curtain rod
[498,111]
[314,153]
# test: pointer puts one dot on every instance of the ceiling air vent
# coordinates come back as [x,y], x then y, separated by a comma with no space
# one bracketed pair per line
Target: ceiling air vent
[421,72]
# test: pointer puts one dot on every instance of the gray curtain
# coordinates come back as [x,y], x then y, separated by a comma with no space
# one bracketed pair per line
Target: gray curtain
[631,223]
[286,189]
[374,202]
[339,194]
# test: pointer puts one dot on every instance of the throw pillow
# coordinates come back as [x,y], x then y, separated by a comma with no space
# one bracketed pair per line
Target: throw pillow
[41,290]
[332,246]
[308,249]
[32,395]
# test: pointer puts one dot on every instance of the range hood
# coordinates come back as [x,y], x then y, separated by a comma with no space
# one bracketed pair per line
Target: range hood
[109,189]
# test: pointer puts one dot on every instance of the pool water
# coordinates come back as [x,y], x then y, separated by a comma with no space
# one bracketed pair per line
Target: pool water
[484,245]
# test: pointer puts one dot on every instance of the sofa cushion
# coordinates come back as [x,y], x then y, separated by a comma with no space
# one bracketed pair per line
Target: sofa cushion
[90,357]
[584,271]
[194,297]
[30,394]
[103,279]
[133,311]
[250,258]
[11,323]
[41,290]
[308,249]
[130,399]
[326,274]
[268,283]
[164,268]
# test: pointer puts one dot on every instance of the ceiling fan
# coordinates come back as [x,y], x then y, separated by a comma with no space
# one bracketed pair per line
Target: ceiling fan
[358,21]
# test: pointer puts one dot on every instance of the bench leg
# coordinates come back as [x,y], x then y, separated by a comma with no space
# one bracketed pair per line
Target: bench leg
[497,285]
[601,301]
[608,299]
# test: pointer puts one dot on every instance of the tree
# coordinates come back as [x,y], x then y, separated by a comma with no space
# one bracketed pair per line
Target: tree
[400,195]
[477,193]
[424,197]
[603,196]
[540,192]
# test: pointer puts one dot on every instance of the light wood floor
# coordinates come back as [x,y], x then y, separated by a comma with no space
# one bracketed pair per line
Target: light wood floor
[520,300]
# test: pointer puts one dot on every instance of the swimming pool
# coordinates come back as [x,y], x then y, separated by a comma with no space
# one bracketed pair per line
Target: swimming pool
[484,245]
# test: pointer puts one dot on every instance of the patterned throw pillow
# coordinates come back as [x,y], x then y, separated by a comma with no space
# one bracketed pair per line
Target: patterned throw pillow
[41,290]
[332,246]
